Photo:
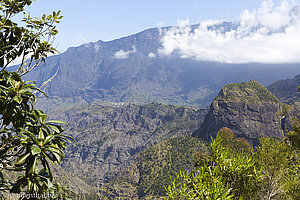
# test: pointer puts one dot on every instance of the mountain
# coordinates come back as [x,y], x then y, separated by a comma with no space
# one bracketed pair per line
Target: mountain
[130,69]
[250,110]
[110,136]
[286,90]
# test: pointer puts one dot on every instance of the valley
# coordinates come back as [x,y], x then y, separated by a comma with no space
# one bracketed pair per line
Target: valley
[122,147]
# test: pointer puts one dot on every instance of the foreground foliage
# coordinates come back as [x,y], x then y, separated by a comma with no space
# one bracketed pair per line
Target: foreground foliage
[234,170]
[149,174]
[29,142]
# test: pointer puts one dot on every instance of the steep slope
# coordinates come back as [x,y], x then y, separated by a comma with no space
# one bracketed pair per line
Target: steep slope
[110,136]
[148,176]
[286,90]
[249,109]
[131,69]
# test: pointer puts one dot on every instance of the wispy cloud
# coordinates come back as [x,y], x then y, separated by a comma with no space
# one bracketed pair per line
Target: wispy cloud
[82,37]
[268,35]
[124,54]
[151,55]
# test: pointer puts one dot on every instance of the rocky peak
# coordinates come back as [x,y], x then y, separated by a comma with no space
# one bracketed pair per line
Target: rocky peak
[251,91]
[247,108]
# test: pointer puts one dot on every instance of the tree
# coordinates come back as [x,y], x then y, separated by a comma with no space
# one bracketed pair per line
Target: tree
[29,142]
[280,165]
[228,172]
[234,170]
[294,135]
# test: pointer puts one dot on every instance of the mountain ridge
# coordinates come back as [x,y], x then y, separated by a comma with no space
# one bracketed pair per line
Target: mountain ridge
[130,69]
[286,89]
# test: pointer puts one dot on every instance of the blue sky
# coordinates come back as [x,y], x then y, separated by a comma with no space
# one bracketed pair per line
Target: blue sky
[93,20]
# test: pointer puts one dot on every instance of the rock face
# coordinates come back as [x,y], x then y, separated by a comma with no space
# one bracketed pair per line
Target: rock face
[110,136]
[286,90]
[249,109]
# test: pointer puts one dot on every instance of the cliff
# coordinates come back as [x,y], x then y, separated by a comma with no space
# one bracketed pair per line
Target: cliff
[249,109]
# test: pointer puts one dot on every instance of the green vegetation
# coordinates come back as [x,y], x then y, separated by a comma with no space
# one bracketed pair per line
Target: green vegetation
[29,142]
[247,91]
[294,135]
[158,163]
[147,177]
[234,170]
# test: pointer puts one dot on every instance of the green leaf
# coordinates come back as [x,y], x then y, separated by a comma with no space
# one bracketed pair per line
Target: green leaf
[43,117]
[53,148]
[48,139]
[58,156]
[34,166]
[35,150]
[54,128]
[41,134]
[22,160]
[18,99]
[66,137]
[30,135]
[56,122]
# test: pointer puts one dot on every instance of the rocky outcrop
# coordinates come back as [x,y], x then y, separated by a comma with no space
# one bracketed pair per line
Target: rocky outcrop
[249,109]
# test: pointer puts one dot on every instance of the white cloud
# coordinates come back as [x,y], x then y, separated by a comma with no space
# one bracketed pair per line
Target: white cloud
[151,55]
[267,35]
[97,47]
[124,54]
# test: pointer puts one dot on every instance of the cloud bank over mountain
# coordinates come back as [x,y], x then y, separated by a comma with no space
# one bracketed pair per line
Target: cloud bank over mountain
[267,35]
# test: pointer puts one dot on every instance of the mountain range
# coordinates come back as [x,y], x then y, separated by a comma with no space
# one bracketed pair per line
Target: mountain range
[131,69]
